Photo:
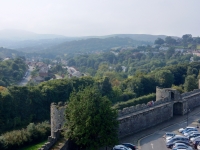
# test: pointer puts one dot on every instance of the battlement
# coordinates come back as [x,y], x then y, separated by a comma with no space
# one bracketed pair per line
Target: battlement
[139,107]
[190,93]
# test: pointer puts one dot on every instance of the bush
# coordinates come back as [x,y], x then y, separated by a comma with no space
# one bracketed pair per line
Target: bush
[18,138]
[140,100]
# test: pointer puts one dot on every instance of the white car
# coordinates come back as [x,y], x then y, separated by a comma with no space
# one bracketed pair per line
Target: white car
[192,132]
[182,129]
[182,146]
[169,135]
[193,140]
[186,133]
[121,147]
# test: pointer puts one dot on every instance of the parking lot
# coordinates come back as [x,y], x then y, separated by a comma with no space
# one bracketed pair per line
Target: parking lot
[157,141]
[152,138]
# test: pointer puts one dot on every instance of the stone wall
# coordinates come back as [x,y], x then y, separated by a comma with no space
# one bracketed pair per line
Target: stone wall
[193,100]
[51,140]
[136,118]
[141,120]
[57,116]
[139,107]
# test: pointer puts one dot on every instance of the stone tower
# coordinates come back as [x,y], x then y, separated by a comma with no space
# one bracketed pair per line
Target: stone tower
[57,116]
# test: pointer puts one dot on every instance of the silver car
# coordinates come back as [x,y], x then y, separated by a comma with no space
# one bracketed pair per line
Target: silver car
[121,147]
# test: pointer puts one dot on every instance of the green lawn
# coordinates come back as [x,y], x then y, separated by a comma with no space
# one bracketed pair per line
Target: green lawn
[33,147]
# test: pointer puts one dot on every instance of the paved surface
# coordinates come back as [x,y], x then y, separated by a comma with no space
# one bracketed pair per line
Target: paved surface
[156,141]
[135,138]
[25,80]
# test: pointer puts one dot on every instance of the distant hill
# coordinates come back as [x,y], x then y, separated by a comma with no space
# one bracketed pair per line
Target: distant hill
[20,35]
[144,37]
[93,45]
[137,37]
[50,43]
[20,39]
[9,53]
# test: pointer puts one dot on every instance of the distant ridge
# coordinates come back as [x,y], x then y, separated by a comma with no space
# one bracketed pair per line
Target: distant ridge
[19,35]
[32,42]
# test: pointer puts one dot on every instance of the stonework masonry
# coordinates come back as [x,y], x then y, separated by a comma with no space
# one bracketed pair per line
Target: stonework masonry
[169,102]
[57,116]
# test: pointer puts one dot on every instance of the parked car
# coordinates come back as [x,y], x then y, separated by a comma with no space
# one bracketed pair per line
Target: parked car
[198,146]
[169,135]
[197,138]
[129,145]
[192,132]
[184,129]
[193,135]
[182,146]
[195,144]
[120,147]
[187,132]
[176,139]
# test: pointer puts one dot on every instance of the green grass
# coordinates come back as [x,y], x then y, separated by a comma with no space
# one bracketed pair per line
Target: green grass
[33,147]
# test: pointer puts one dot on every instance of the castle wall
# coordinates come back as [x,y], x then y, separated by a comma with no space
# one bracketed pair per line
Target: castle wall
[136,118]
[193,100]
[141,120]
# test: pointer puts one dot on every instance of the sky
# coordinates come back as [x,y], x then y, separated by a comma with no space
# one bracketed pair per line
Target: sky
[102,17]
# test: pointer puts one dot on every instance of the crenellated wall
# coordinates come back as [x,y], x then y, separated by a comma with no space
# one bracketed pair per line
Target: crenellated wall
[140,120]
[169,102]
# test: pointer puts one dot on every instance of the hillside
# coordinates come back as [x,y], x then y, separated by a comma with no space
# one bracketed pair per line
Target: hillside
[9,53]
[93,45]
[144,37]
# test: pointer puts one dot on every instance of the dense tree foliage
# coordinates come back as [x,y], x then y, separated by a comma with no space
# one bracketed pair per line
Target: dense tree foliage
[11,71]
[90,120]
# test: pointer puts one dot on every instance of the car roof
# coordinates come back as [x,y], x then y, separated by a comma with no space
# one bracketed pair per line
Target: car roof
[120,146]
[190,127]
[179,143]
[179,136]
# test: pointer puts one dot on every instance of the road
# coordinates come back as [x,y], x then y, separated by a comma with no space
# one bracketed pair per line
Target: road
[27,78]
[156,141]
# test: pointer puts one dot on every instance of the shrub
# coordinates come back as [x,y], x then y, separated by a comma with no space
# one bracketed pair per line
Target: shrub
[135,101]
[18,138]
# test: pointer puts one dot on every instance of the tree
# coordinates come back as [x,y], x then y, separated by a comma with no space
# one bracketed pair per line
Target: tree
[164,78]
[190,83]
[159,41]
[91,122]
[170,52]
[169,40]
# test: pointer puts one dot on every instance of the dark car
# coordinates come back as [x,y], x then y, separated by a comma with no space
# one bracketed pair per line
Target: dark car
[129,145]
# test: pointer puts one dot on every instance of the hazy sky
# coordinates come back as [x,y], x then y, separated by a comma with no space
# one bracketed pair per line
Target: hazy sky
[102,17]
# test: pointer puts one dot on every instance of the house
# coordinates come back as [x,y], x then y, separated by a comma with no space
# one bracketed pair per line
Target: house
[163,48]
[38,79]
[77,74]
[43,72]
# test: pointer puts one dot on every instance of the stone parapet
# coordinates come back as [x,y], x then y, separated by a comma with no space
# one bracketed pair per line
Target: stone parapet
[51,141]
[190,93]
[139,107]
